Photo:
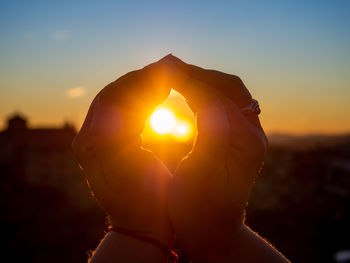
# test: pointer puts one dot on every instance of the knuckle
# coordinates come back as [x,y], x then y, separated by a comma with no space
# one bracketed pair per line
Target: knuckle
[82,149]
[76,147]
[255,149]
[259,151]
[236,79]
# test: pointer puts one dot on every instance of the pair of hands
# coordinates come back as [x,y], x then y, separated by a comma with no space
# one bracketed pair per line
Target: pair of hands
[204,201]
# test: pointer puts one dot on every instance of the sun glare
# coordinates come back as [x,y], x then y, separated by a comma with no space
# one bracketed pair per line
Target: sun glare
[162,121]
[181,129]
[172,120]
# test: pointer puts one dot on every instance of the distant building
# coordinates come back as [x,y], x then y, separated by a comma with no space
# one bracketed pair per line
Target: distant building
[338,178]
[38,156]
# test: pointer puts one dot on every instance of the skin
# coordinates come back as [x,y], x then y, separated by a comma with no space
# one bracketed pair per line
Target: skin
[212,185]
[205,200]
[129,182]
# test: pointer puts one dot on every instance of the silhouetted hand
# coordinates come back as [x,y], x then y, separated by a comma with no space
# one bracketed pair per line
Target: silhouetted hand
[211,186]
[129,182]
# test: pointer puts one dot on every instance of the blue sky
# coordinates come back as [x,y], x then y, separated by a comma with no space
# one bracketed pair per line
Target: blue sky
[294,56]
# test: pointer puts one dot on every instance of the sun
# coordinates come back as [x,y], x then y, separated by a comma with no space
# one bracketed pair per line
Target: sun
[169,122]
[163,121]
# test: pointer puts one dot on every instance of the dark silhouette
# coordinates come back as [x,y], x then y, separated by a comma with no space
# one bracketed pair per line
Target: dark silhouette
[40,224]
[300,201]
[47,213]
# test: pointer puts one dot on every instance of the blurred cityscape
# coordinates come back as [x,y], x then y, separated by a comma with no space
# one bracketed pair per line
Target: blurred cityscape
[300,202]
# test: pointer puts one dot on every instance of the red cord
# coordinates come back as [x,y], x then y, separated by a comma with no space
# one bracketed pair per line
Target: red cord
[172,256]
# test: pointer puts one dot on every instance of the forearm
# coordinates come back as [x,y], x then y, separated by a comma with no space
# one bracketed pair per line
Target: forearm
[116,248]
[246,246]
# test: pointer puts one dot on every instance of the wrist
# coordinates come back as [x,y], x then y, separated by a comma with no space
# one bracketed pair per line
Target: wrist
[221,245]
[161,233]
[118,247]
[244,246]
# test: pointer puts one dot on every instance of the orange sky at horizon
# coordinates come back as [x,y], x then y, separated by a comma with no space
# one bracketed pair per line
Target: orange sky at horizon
[288,124]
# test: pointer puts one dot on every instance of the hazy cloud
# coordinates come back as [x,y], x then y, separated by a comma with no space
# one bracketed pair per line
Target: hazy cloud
[75,92]
[61,35]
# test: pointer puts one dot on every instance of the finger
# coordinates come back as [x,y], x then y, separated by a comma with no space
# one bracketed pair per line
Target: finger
[118,113]
[230,85]
[141,89]
[98,184]
[84,147]
[93,172]
[248,139]
[102,131]
[114,120]
[220,122]
[213,128]
[227,84]
[211,117]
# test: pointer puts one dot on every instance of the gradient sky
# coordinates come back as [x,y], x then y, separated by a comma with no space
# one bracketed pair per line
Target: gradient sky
[294,56]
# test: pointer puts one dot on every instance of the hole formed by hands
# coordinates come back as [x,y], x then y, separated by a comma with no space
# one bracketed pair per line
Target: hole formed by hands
[173,119]
[170,126]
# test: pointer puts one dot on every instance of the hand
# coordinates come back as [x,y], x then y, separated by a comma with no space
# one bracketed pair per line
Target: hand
[211,186]
[129,182]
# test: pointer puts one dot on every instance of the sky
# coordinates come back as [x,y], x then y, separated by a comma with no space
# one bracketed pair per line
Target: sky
[294,56]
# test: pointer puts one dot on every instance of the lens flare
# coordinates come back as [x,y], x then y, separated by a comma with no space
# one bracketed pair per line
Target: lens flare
[181,129]
[171,121]
[163,121]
